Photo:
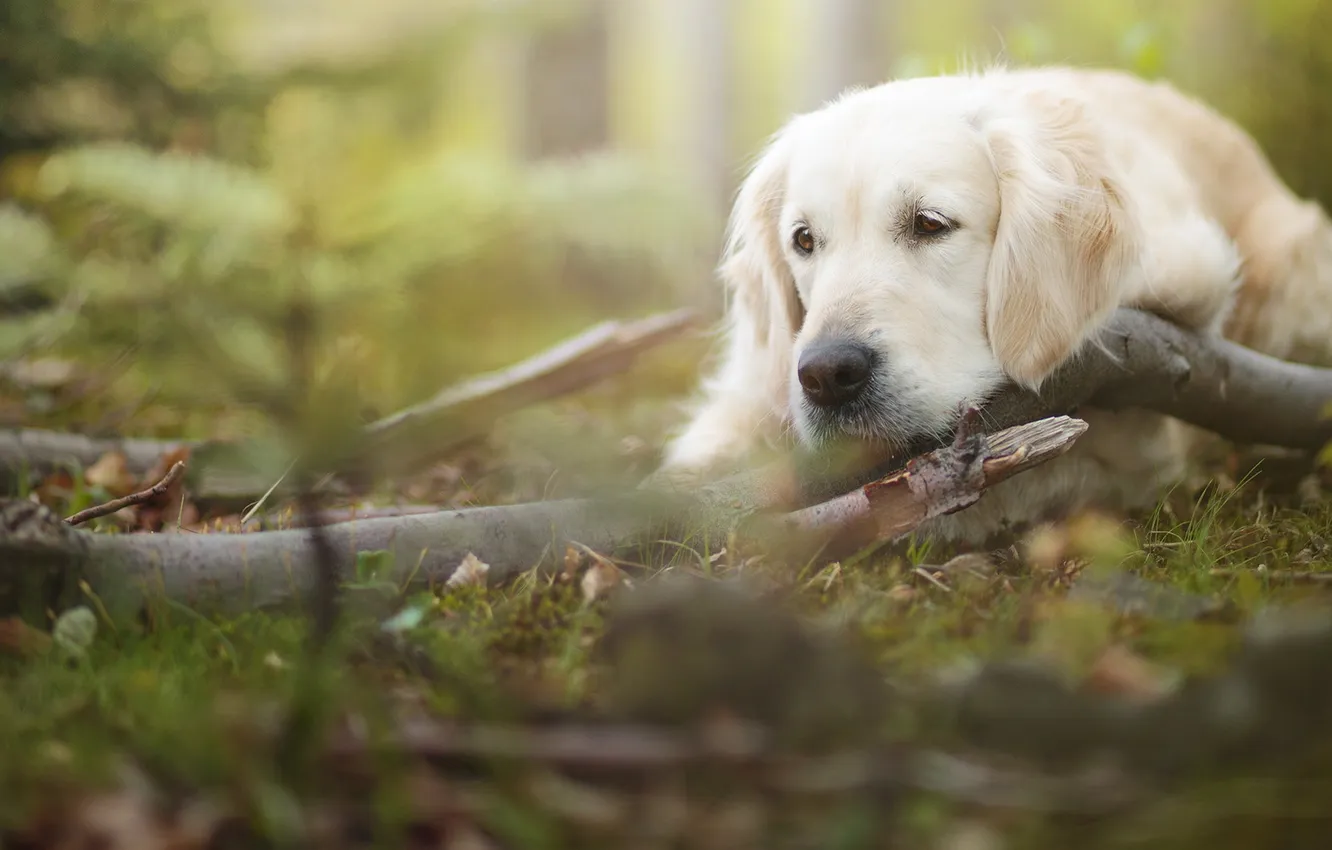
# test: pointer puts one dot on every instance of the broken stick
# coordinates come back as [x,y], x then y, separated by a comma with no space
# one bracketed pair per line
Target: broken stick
[936,484]
[105,509]
[1142,362]
[400,442]
[431,429]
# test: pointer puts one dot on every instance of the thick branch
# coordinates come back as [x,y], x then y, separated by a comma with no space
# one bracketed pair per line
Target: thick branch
[426,431]
[1144,362]
[1215,384]
[236,572]
[30,450]
[402,441]
[1140,361]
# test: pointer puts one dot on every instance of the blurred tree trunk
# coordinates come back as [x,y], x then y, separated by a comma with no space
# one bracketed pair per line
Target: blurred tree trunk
[847,47]
[566,87]
[708,46]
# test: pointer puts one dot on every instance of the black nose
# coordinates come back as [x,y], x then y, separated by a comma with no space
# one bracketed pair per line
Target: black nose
[835,372]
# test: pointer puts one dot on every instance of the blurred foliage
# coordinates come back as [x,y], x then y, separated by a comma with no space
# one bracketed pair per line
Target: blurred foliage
[174,173]
[204,186]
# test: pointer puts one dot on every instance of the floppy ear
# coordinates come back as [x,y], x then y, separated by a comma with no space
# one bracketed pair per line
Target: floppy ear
[758,279]
[1065,242]
[745,400]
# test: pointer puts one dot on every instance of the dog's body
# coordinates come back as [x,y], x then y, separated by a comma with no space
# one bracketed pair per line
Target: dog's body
[910,247]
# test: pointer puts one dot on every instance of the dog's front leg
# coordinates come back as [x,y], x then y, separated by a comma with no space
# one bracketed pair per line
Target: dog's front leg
[744,406]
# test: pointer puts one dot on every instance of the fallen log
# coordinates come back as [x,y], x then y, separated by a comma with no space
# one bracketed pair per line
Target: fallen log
[1139,361]
[402,441]
[45,561]
[1142,361]
[428,431]
[33,451]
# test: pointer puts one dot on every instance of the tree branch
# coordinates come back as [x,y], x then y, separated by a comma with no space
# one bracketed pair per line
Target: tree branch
[25,451]
[177,469]
[933,484]
[425,432]
[237,572]
[1140,361]
[402,441]
[1144,362]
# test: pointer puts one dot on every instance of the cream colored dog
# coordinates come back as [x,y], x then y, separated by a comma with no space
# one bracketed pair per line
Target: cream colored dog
[908,248]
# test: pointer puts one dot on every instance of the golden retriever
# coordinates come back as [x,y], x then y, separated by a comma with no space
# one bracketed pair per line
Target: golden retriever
[909,248]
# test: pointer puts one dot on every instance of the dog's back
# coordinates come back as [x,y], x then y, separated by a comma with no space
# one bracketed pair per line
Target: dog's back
[1284,303]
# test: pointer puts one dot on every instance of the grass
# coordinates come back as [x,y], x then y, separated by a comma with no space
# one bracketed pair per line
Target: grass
[196,705]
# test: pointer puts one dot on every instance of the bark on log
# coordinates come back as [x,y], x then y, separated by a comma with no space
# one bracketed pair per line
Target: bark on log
[230,573]
[404,440]
[426,432]
[1142,361]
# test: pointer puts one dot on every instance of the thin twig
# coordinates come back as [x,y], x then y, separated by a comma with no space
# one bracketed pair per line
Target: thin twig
[138,498]
[932,579]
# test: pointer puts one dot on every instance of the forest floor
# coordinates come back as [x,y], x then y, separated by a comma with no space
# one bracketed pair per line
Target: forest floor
[198,733]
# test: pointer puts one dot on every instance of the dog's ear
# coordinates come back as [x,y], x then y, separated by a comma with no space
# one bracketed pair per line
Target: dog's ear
[1066,238]
[744,403]
[758,278]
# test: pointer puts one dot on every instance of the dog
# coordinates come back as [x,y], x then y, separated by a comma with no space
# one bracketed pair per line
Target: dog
[910,248]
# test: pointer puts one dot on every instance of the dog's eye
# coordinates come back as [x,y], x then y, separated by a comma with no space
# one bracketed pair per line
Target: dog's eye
[931,224]
[803,240]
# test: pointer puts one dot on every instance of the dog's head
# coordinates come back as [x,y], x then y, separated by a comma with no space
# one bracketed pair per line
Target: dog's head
[918,243]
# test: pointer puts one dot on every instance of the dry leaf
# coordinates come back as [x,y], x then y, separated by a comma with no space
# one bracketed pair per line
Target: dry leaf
[573,559]
[42,373]
[19,638]
[472,570]
[1047,547]
[601,577]
[902,593]
[111,472]
[55,488]
[115,821]
[171,509]
[1121,671]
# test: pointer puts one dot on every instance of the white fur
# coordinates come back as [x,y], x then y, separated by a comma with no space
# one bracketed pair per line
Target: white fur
[1076,193]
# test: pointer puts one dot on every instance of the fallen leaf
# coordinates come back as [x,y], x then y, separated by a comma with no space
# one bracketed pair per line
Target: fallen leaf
[573,559]
[55,488]
[902,593]
[1121,671]
[42,373]
[472,570]
[600,579]
[171,508]
[1047,547]
[19,638]
[111,472]
[117,821]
